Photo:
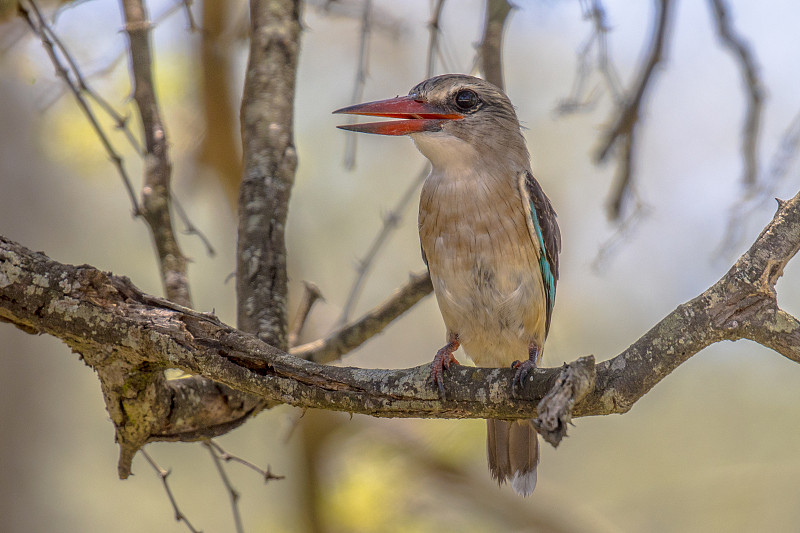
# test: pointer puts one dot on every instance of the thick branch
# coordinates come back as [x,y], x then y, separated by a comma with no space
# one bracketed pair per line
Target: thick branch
[111,323]
[270,161]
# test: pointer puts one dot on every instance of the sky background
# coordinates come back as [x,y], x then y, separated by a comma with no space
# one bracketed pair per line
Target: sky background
[711,448]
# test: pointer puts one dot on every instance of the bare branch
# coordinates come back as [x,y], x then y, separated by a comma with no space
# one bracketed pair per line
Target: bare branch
[349,337]
[164,474]
[40,27]
[752,80]
[191,229]
[764,190]
[156,189]
[187,8]
[598,39]
[628,113]
[433,38]
[270,161]
[232,492]
[490,49]
[391,221]
[227,457]
[361,78]
[108,320]
[311,294]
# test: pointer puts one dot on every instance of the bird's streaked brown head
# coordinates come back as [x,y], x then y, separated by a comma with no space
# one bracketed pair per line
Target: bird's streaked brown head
[447,107]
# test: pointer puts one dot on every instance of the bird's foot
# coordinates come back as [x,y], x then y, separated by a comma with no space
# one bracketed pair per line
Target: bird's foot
[442,361]
[524,368]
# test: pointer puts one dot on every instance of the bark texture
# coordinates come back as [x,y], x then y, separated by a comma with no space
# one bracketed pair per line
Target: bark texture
[115,327]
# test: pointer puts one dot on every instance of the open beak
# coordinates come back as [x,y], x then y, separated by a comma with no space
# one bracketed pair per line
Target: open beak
[418,116]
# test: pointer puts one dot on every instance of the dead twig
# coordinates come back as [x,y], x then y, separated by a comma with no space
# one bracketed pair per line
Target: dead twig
[361,78]
[39,26]
[764,191]
[390,223]
[580,99]
[434,30]
[156,200]
[752,81]
[233,494]
[490,49]
[353,335]
[311,294]
[228,457]
[164,474]
[621,134]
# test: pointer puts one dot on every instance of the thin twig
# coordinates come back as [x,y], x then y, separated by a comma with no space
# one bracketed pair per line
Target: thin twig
[227,457]
[764,190]
[353,335]
[156,201]
[434,29]
[361,78]
[39,26]
[624,229]
[164,474]
[232,492]
[187,5]
[752,80]
[390,222]
[577,101]
[120,122]
[629,113]
[191,229]
[311,294]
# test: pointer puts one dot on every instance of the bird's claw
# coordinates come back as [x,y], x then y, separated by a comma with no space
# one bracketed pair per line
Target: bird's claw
[523,371]
[441,362]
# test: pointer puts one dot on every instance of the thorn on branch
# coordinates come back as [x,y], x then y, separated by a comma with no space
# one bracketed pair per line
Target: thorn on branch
[227,457]
[311,294]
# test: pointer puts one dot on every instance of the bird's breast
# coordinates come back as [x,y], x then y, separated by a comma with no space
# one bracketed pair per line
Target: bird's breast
[483,264]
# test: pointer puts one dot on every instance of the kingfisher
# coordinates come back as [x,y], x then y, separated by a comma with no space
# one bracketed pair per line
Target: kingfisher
[489,237]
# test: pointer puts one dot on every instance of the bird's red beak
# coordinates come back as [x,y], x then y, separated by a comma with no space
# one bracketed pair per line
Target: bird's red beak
[420,116]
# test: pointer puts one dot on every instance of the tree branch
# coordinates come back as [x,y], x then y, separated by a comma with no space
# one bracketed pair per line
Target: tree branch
[491,46]
[270,161]
[113,325]
[158,169]
[354,335]
[752,80]
[628,113]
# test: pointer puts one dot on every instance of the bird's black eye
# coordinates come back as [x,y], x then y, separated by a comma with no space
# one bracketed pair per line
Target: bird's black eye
[466,100]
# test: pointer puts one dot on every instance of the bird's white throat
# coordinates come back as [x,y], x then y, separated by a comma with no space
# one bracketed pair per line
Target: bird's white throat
[445,152]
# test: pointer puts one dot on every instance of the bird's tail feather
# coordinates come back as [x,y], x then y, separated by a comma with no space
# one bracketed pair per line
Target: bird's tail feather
[513,451]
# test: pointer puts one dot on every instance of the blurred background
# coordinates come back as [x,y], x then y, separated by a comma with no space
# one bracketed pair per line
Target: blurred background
[714,447]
